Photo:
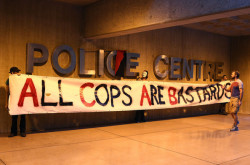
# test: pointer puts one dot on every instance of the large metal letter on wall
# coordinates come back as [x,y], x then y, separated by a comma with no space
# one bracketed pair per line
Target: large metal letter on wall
[31,60]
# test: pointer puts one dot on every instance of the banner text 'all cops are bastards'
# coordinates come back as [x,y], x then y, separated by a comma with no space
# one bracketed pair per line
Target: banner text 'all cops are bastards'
[39,94]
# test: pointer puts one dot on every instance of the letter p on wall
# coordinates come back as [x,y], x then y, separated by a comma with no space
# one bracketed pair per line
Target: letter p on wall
[31,60]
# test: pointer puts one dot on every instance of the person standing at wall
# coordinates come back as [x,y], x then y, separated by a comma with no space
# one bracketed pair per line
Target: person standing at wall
[15,70]
[236,89]
[140,114]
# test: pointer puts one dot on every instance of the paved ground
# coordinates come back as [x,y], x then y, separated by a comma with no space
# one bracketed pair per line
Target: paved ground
[203,140]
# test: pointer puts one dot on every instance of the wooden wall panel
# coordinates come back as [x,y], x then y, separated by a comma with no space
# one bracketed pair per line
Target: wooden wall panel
[44,22]
[240,60]
[173,42]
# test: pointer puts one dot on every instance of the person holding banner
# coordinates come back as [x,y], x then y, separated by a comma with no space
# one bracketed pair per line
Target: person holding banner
[140,114]
[236,89]
[15,70]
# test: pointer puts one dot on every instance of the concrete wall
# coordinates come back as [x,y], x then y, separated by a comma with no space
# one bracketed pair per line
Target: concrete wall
[110,18]
[53,24]
[240,60]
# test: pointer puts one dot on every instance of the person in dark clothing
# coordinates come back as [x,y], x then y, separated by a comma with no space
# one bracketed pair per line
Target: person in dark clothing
[15,70]
[140,114]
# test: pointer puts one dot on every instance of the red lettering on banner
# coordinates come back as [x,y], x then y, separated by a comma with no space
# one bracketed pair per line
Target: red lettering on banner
[144,94]
[91,85]
[32,93]
[172,95]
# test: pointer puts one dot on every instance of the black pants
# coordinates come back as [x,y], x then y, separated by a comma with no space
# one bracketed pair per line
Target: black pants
[139,116]
[22,124]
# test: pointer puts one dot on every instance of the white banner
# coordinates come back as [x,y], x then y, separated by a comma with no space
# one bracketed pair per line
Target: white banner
[37,94]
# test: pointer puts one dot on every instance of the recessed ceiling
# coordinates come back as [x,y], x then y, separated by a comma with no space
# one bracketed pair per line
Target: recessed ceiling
[78,2]
[231,26]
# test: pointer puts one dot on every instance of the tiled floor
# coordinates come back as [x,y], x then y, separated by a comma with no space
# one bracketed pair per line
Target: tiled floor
[195,141]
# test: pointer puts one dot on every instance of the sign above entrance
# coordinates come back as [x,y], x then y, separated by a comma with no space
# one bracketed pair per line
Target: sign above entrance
[119,63]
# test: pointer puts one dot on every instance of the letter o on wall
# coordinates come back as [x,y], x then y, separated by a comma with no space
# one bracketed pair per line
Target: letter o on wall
[55,55]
